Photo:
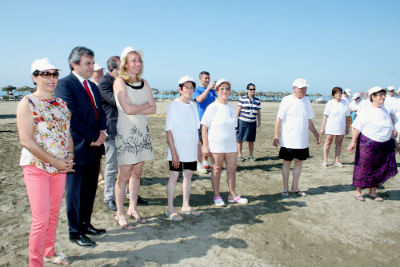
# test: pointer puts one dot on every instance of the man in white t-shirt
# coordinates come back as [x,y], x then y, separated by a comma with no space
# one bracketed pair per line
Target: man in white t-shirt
[294,115]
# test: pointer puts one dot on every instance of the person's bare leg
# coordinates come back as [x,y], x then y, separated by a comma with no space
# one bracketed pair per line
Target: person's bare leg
[231,163]
[173,178]
[296,174]
[124,175]
[338,148]
[186,186]
[327,146]
[285,174]
[251,149]
[218,159]
[239,148]
[134,187]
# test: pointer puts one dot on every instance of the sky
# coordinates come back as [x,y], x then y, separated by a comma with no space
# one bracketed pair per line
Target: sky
[347,43]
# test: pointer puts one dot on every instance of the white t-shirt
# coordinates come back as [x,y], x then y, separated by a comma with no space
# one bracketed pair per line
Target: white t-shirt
[346,99]
[337,113]
[295,114]
[355,106]
[221,121]
[374,123]
[391,103]
[183,122]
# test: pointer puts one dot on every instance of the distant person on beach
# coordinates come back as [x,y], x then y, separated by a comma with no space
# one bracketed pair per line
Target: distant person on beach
[294,116]
[334,125]
[181,129]
[134,101]
[219,141]
[43,123]
[204,95]
[375,156]
[248,113]
[89,132]
[110,109]
[355,105]
[346,95]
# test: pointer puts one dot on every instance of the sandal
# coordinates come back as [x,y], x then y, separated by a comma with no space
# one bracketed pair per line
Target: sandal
[324,164]
[174,217]
[299,193]
[137,217]
[338,164]
[238,199]
[60,259]
[218,201]
[124,225]
[285,194]
[191,212]
[376,198]
[360,198]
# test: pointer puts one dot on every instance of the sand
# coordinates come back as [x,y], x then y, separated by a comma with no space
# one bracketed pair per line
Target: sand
[326,228]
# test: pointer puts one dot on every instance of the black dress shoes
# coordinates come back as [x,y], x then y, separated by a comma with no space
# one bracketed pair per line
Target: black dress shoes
[82,240]
[111,205]
[142,201]
[89,229]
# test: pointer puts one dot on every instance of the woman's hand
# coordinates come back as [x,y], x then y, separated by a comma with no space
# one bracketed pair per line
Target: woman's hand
[322,132]
[64,165]
[206,150]
[350,147]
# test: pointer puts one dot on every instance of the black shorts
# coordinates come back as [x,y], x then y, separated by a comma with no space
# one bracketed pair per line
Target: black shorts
[192,166]
[291,153]
[246,131]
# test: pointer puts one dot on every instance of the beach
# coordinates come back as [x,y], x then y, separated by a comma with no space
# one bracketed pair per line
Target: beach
[328,227]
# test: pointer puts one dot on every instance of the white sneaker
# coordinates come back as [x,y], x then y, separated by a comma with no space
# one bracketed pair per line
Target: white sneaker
[200,168]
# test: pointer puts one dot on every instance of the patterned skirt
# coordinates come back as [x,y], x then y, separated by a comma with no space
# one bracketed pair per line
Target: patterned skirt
[374,163]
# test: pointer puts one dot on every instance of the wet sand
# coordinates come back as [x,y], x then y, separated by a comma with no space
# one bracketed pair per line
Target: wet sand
[326,228]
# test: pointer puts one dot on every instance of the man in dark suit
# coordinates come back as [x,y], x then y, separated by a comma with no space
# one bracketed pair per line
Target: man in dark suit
[111,111]
[88,129]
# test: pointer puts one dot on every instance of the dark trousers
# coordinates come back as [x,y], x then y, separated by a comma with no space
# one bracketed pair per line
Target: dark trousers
[81,187]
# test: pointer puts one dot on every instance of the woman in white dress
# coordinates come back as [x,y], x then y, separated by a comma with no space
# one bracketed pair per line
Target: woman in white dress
[219,141]
[334,125]
[134,101]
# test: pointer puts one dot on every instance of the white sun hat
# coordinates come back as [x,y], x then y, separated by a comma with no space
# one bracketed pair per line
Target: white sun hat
[348,91]
[97,67]
[186,79]
[223,80]
[129,49]
[390,88]
[300,83]
[42,64]
[375,89]
[355,96]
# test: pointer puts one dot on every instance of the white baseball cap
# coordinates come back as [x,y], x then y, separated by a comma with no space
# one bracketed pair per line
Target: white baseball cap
[355,96]
[97,67]
[348,91]
[398,91]
[42,64]
[221,81]
[186,79]
[300,83]
[375,89]
[390,88]
[129,49]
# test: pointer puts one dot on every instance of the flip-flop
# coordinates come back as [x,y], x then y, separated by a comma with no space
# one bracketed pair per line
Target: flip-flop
[125,226]
[239,200]
[138,218]
[360,198]
[299,193]
[284,194]
[174,217]
[376,198]
[338,164]
[60,259]
[192,212]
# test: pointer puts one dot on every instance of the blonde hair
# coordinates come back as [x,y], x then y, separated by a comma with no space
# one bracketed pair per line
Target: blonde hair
[123,73]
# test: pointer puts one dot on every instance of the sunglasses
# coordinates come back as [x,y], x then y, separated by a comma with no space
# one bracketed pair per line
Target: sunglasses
[47,74]
[380,94]
[251,89]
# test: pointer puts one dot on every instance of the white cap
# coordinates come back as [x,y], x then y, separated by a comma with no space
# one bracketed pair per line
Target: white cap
[355,96]
[42,64]
[348,91]
[375,89]
[186,79]
[398,91]
[220,81]
[97,67]
[129,49]
[390,88]
[300,83]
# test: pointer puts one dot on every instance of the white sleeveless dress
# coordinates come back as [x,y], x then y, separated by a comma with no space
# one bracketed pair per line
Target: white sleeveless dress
[133,139]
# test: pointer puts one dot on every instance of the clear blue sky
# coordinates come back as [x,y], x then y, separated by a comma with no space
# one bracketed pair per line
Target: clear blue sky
[352,44]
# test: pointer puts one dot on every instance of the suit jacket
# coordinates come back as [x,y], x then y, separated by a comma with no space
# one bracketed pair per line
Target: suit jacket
[108,104]
[85,127]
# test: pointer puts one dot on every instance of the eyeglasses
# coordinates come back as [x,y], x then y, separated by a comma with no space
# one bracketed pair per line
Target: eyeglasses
[381,94]
[47,74]
[251,89]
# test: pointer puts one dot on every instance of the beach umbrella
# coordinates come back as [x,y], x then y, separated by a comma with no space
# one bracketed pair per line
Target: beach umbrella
[8,88]
[24,88]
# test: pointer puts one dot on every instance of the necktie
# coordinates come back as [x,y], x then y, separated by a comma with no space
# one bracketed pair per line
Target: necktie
[91,97]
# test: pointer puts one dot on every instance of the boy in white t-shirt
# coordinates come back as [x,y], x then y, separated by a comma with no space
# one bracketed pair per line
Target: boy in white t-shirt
[181,129]
[294,115]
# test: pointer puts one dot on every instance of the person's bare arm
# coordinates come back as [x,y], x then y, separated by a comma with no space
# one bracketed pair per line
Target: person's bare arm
[278,123]
[314,131]
[126,105]
[203,96]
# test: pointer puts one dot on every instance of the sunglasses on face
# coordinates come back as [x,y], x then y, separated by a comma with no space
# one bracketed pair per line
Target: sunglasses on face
[381,94]
[251,89]
[47,74]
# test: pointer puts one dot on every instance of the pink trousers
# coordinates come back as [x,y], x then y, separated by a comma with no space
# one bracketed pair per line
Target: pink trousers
[45,192]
